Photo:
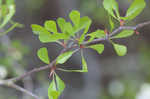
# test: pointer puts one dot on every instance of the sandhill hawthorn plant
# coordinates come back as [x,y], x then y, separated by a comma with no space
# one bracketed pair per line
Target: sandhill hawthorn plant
[73,37]
[70,34]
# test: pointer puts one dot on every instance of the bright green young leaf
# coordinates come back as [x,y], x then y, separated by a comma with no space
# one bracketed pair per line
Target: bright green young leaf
[99,48]
[51,26]
[97,34]
[60,84]
[84,67]
[69,28]
[52,91]
[85,23]
[64,57]
[47,37]
[55,89]
[75,17]
[61,23]
[111,6]
[112,25]
[135,9]
[124,33]
[121,50]
[43,55]
[37,29]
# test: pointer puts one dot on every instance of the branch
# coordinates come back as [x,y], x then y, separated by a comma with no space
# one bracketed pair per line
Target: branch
[11,84]
[96,41]
[116,31]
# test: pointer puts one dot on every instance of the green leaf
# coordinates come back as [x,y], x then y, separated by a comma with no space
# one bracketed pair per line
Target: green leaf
[99,48]
[124,33]
[84,67]
[69,28]
[97,34]
[75,17]
[60,84]
[112,25]
[111,6]
[10,14]
[37,29]
[135,9]
[121,50]
[85,22]
[64,57]
[47,37]
[51,26]
[61,22]
[43,55]
[52,91]
[55,89]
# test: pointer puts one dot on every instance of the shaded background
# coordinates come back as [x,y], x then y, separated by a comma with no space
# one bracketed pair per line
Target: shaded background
[109,76]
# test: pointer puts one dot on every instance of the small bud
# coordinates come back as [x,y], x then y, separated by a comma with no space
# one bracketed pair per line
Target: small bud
[137,33]
[82,46]
[122,22]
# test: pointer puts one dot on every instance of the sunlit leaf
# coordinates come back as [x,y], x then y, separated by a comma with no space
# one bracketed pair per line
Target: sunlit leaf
[98,47]
[10,14]
[61,23]
[43,55]
[51,26]
[85,23]
[75,17]
[112,6]
[112,25]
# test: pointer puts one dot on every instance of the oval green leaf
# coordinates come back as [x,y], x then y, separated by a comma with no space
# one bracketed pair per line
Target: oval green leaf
[121,50]
[75,17]
[51,26]
[99,48]
[135,9]
[43,55]
[124,34]
[64,57]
